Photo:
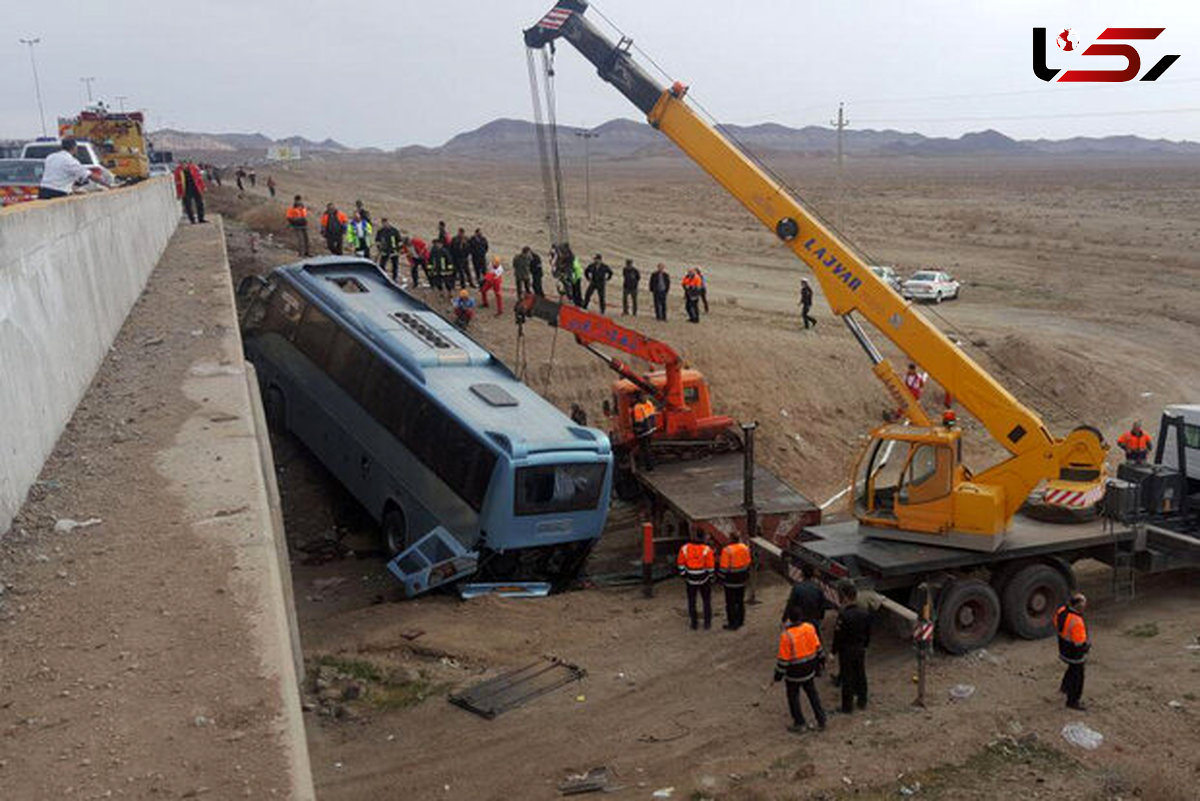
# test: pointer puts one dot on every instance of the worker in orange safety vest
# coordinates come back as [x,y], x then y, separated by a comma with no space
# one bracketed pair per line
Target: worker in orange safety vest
[1136,443]
[733,569]
[800,657]
[696,562]
[645,423]
[297,220]
[1073,647]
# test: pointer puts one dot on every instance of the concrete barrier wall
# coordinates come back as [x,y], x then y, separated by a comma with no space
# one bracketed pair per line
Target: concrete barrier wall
[70,270]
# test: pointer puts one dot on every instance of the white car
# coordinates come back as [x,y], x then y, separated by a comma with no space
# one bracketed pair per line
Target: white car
[160,169]
[888,275]
[930,285]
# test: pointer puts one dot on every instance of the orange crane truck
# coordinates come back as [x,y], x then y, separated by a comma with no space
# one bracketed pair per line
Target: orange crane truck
[702,463]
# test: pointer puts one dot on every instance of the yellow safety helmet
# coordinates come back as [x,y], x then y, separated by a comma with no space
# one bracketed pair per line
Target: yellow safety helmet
[462,293]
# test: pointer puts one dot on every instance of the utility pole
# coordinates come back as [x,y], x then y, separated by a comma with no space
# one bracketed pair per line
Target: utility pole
[840,124]
[88,82]
[121,102]
[587,136]
[37,86]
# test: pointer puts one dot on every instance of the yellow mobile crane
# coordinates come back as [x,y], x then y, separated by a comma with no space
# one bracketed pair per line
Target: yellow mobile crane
[934,497]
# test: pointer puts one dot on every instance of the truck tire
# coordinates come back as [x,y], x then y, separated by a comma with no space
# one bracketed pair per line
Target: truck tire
[968,616]
[394,530]
[1029,599]
[275,410]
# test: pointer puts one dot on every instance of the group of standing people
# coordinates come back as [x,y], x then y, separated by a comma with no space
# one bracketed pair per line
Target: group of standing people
[800,658]
[581,284]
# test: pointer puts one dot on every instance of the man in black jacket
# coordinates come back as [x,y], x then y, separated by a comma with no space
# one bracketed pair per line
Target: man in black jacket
[478,245]
[1073,647]
[535,273]
[808,599]
[460,255]
[598,274]
[387,238]
[630,277]
[806,301]
[851,636]
[660,284]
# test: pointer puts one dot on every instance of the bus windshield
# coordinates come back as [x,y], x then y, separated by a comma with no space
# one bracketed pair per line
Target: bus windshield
[558,488]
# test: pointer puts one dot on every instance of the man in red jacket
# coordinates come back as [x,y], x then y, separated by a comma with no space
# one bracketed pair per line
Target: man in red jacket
[189,187]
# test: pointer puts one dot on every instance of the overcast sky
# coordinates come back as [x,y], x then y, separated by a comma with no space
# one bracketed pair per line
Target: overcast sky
[396,72]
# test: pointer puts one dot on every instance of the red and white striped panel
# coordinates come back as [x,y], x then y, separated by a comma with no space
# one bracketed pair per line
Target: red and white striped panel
[555,18]
[1076,499]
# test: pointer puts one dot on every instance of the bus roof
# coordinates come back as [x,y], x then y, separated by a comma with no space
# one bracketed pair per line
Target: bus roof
[461,374]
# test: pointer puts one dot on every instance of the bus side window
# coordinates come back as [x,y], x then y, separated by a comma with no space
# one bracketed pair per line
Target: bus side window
[347,363]
[314,334]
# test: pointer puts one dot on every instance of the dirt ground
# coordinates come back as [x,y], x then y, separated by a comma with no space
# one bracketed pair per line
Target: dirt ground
[1081,289]
[128,666]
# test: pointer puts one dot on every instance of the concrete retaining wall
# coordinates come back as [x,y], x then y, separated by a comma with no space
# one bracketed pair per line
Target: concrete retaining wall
[70,270]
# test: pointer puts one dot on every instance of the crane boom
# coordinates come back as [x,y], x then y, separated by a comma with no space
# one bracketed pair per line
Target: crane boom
[849,286]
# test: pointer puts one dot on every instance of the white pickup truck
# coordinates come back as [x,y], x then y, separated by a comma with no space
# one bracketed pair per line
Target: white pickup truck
[85,152]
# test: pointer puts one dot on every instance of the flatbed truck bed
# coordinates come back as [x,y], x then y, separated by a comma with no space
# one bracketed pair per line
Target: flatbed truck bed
[707,494]
[1019,584]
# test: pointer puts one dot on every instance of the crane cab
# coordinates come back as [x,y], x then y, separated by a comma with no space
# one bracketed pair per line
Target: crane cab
[910,484]
[696,421]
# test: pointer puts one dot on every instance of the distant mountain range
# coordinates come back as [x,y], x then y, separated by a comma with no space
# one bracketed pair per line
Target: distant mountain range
[622,138]
[170,139]
[516,140]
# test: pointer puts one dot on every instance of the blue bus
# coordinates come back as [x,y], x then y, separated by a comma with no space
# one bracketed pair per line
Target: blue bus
[431,433]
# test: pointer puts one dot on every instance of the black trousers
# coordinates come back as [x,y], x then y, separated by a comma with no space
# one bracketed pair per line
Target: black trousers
[577,293]
[334,243]
[660,305]
[479,266]
[629,298]
[193,206]
[537,284]
[417,265]
[524,287]
[462,275]
[804,315]
[46,193]
[852,673]
[1072,683]
[735,606]
[704,298]
[692,305]
[395,259]
[705,592]
[814,700]
[598,289]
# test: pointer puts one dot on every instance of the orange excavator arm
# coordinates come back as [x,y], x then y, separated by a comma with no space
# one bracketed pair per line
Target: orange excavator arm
[596,329]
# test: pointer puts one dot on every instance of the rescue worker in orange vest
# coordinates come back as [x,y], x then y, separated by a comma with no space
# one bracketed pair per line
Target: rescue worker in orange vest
[645,423]
[297,220]
[800,655]
[733,570]
[695,562]
[1073,647]
[1136,443]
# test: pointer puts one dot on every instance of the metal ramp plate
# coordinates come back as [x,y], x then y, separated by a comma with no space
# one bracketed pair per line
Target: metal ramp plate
[509,690]
[435,559]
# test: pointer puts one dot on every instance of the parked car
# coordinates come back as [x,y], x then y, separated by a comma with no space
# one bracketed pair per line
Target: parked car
[19,180]
[160,169]
[930,285]
[888,275]
[85,152]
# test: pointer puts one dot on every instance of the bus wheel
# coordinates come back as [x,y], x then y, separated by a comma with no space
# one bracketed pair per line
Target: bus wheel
[968,615]
[274,410]
[395,530]
[1029,600]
